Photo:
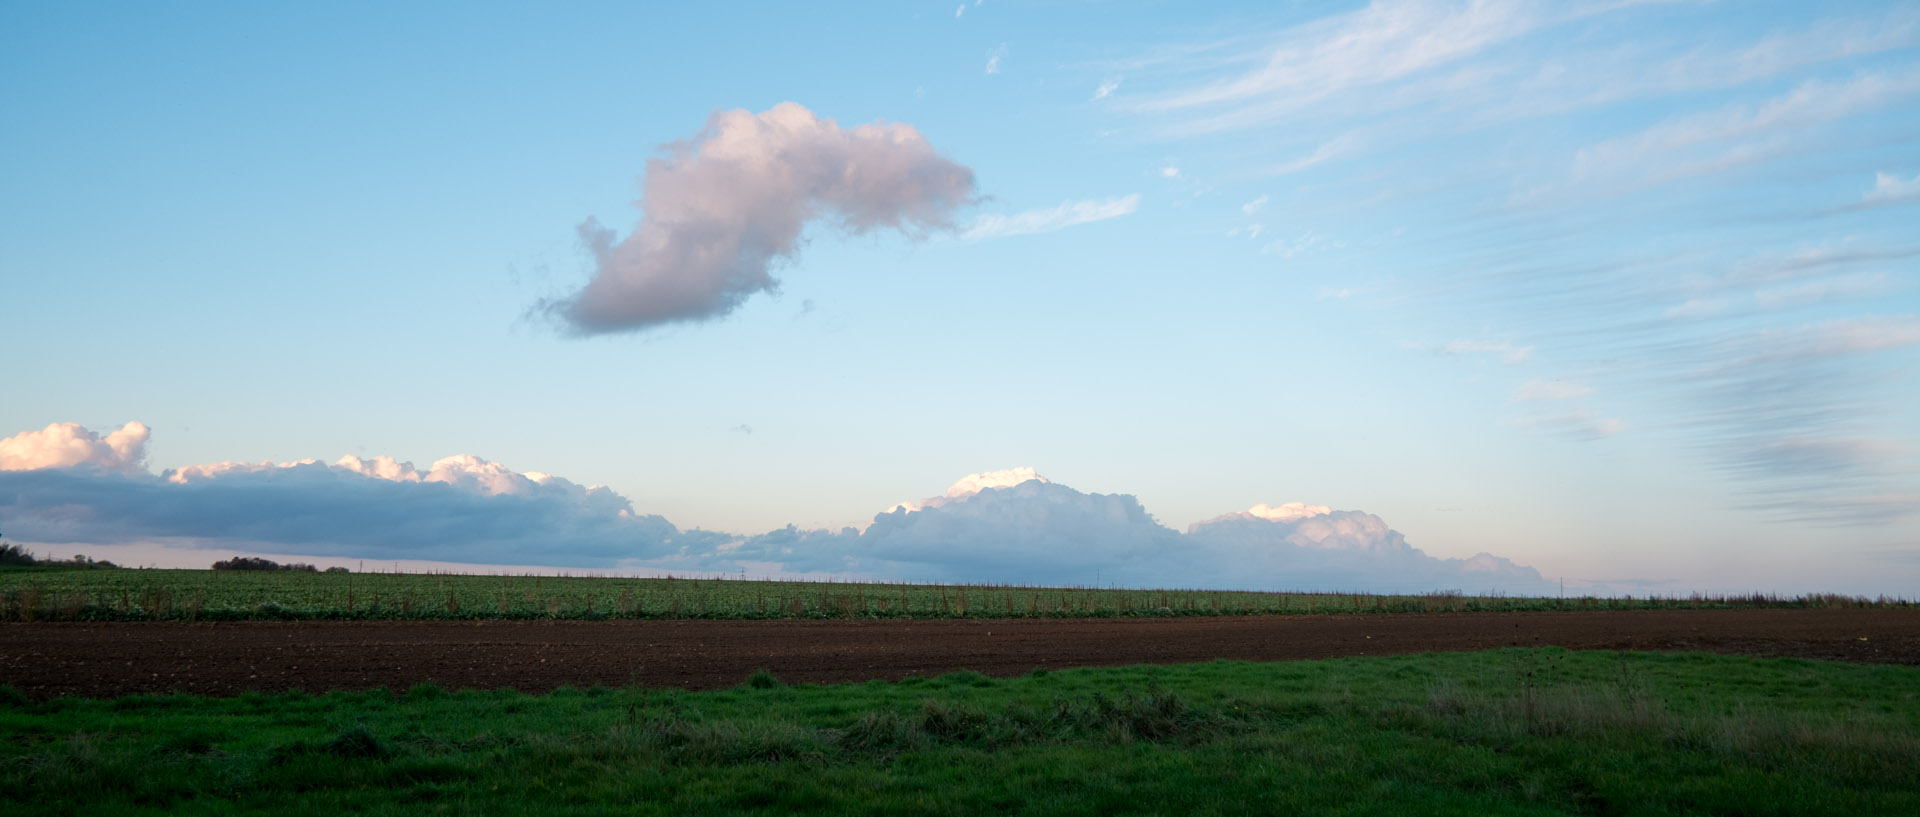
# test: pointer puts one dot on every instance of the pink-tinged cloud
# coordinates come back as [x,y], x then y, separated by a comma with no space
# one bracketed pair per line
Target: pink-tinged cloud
[720,211]
[67,445]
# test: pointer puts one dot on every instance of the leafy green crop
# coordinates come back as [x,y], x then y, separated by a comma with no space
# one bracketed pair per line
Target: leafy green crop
[39,594]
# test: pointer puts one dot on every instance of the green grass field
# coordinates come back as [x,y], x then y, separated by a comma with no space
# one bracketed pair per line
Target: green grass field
[59,594]
[1536,731]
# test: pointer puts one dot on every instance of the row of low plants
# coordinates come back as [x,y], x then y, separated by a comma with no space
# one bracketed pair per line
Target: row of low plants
[128,595]
[1537,731]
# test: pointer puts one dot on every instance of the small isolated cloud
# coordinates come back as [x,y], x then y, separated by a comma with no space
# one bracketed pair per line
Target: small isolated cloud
[1891,189]
[1575,425]
[1298,245]
[1068,214]
[719,211]
[1550,390]
[1170,172]
[1329,150]
[994,57]
[1839,337]
[1254,206]
[1509,353]
[742,428]
[70,445]
[960,11]
[1106,89]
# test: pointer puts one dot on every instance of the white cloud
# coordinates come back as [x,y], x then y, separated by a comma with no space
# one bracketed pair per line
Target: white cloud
[1004,527]
[1382,42]
[1106,89]
[719,211]
[994,57]
[996,526]
[1285,248]
[1856,335]
[1254,206]
[1575,425]
[1550,390]
[1005,478]
[959,11]
[1736,135]
[1331,149]
[463,509]
[1507,350]
[975,483]
[1068,214]
[1891,189]
[1288,511]
[68,445]
[1170,172]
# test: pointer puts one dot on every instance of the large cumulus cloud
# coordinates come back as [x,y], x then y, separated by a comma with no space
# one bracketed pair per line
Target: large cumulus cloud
[1015,526]
[720,211]
[71,445]
[461,509]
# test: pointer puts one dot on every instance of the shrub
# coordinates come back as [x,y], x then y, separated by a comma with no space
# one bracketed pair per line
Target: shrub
[257,563]
[16,555]
[12,698]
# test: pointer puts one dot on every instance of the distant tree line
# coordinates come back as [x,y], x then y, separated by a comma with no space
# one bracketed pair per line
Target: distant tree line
[12,555]
[257,563]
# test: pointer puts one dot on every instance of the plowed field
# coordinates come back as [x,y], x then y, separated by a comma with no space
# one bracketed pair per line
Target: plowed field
[46,660]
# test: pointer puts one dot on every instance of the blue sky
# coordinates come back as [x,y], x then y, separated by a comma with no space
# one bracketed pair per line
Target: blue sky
[1623,292]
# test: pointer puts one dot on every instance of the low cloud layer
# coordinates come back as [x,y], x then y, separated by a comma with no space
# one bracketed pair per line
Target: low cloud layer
[1011,526]
[719,211]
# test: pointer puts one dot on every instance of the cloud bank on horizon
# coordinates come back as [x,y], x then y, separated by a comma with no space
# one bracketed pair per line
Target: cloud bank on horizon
[719,212]
[69,485]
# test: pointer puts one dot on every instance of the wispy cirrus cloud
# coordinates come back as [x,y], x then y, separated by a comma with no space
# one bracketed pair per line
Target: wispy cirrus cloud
[1665,199]
[1738,135]
[1379,43]
[1067,214]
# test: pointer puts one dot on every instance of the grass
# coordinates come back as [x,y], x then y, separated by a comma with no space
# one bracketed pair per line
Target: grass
[54,594]
[1533,731]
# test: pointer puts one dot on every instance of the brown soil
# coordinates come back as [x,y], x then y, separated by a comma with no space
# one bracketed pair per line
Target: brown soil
[99,660]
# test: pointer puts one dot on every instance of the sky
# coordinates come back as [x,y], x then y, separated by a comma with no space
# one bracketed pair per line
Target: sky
[1501,294]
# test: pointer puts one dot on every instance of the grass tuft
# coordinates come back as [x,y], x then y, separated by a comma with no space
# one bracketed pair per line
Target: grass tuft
[357,741]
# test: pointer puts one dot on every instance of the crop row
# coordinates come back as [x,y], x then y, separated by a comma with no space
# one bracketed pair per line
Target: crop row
[126,595]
